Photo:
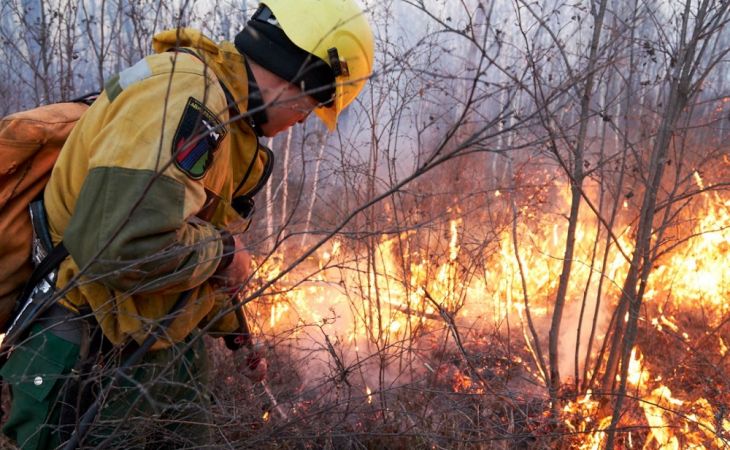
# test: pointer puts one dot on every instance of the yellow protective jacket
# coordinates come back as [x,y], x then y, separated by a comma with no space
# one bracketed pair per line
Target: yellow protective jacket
[143,187]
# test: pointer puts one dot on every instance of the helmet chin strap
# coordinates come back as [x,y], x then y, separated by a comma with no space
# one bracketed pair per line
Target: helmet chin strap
[255,102]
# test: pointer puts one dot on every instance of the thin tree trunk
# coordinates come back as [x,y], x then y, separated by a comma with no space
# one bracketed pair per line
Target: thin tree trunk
[624,120]
[285,178]
[641,263]
[315,184]
[576,189]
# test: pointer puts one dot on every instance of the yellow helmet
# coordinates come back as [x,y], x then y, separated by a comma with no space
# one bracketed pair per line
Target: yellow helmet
[337,32]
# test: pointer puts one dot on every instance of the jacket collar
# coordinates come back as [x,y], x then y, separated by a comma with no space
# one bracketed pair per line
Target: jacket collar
[224,59]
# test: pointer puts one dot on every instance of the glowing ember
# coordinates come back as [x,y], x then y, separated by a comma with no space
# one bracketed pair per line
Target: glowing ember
[464,384]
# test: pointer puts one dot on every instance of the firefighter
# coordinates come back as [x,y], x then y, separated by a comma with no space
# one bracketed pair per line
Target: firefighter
[149,195]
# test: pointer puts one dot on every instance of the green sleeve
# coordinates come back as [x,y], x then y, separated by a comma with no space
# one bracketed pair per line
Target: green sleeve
[129,228]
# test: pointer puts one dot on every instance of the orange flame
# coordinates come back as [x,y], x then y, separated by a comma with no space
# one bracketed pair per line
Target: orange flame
[385,297]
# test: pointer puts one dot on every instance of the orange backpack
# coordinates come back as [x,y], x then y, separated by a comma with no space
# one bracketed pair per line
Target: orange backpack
[29,145]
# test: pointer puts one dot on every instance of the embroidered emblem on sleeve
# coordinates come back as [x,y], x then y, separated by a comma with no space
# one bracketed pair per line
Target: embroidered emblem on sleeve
[197,138]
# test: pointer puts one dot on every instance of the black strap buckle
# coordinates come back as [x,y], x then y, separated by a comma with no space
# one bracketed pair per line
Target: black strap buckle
[244,206]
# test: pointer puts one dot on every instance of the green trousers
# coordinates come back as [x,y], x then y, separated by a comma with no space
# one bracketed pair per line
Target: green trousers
[162,404]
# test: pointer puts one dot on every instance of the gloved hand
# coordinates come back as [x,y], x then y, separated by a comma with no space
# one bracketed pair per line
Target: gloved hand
[252,362]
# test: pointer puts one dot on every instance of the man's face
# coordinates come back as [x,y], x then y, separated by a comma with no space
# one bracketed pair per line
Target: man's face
[285,107]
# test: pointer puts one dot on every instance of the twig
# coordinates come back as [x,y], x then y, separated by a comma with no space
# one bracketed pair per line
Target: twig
[457,340]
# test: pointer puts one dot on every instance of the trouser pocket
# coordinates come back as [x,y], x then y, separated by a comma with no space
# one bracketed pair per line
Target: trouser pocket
[35,372]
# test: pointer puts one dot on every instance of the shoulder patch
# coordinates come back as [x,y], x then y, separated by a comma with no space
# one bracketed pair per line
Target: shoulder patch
[197,138]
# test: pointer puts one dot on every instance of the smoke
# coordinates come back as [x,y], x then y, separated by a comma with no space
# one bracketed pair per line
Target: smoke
[332,328]
[576,328]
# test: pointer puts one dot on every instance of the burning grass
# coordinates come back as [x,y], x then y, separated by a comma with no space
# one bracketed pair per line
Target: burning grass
[494,402]
[414,346]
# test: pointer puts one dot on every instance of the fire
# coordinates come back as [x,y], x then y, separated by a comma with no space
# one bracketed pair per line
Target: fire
[655,416]
[400,292]
[354,305]
[699,272]
[662,412]
[637,375]
[465,384]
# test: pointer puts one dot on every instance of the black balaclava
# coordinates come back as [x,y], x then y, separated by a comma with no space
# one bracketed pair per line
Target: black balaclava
[264,41]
